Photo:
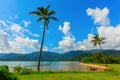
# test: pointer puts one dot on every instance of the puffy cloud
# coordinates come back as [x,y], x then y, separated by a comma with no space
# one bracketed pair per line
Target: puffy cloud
[100,16]
[65,29]
[31,43]
[4,38]
[112,35]
[15,27]
[68,41]
[13,38]
[85,44]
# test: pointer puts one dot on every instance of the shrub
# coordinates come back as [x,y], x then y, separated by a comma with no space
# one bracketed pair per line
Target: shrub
[17,69]
[22,70]
[5,74]
[26,70]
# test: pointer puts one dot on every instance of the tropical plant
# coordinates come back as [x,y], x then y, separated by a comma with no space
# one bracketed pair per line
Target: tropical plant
[17,68]
[44,15]
[97,55]
[22,70]
[5,74]
[97,40]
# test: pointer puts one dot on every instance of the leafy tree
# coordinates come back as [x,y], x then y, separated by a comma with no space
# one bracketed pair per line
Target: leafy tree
[97,55]
[97,40]
[44,15]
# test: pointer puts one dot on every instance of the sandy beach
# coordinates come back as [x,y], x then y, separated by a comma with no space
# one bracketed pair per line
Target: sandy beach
[97,67]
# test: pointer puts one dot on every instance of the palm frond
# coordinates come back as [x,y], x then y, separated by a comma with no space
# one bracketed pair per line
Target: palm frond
[47,20]
[54,18]
[103,38]
[41,9]
[97,40]
[37,13]
[48,6]
[103,42]
[44,14]
[39,19]
[51,13]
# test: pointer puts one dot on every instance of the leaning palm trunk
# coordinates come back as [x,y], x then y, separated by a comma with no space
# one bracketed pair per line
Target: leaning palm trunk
[103,56]
[40,55]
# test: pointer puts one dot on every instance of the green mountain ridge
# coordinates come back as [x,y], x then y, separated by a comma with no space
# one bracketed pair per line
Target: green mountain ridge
[51,56]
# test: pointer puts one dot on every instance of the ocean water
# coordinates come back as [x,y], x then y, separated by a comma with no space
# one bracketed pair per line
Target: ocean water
[47,65]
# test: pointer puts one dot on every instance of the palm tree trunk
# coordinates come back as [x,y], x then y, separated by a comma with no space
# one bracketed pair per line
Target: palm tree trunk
[103,56]
[40,55]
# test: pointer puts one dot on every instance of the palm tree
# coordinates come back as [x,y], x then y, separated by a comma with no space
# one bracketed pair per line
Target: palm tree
[97,40]
[44,15]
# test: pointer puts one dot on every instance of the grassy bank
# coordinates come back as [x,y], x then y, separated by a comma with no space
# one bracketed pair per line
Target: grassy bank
[114,75]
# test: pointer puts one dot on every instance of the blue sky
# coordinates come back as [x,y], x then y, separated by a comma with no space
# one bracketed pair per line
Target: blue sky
[79,20]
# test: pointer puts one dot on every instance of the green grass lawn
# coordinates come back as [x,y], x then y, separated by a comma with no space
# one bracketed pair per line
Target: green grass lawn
[113,75]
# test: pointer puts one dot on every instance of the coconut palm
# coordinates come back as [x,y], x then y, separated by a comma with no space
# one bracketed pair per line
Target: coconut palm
[97,40]
[45,15]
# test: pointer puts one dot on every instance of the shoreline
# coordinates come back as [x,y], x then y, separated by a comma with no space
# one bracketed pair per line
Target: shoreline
[94,67]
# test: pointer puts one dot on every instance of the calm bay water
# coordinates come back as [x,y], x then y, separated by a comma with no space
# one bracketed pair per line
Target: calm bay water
[47,65]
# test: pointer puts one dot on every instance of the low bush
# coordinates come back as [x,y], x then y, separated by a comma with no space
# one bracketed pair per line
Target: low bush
[26,70]
[22,70]
[5,74]
[17,68]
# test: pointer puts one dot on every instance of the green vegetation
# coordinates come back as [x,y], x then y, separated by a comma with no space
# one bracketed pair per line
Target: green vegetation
[114,75]
[5,74]
[22,70]
[97,58]
[44,15]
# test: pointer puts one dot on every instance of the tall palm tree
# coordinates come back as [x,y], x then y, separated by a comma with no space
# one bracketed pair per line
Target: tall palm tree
[97,40]
[45,15]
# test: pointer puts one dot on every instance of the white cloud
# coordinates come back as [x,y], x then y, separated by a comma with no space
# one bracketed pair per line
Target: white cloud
[13,38]
[45,48]
[4,38]
[2,23]
[100,16]
[35,35]
[26,23]
[85,44]
[112,35]
[65,29]
[68,40]
[33,44]
[15,27]
[67,43]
